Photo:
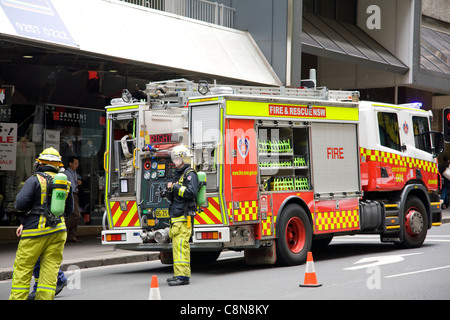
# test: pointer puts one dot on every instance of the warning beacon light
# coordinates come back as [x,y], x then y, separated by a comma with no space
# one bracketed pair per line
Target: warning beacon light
[414,105]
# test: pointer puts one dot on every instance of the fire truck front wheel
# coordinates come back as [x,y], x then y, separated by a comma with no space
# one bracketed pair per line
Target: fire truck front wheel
[415,224]
[294,235]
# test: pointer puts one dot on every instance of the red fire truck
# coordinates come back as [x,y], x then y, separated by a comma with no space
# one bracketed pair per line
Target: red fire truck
[286,168]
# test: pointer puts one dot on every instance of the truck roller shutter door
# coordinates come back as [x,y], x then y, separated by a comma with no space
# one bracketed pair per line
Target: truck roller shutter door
[335,158]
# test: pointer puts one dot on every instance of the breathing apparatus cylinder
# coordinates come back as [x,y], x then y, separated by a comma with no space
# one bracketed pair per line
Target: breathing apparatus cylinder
[201,193]
[59,194]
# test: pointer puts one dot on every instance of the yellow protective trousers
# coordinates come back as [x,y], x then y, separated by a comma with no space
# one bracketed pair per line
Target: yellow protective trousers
[50,248]
[180,233]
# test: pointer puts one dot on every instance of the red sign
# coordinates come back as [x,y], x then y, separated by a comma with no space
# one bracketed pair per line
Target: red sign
[161,138]
[8,139]
[297,111]
[335,153]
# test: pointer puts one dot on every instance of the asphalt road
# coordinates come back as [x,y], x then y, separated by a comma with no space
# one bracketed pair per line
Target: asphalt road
[353,267]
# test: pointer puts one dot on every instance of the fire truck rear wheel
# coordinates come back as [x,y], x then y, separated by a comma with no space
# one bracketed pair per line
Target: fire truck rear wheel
[294,235]
[415,224]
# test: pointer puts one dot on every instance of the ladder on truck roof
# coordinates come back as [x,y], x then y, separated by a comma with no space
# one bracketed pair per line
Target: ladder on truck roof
[184,89]
[320,94]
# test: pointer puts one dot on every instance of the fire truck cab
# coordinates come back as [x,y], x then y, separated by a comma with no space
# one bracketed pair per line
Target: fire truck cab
[285,168]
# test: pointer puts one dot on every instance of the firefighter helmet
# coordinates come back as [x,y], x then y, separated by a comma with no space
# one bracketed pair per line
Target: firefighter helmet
[50,156]
[182,152]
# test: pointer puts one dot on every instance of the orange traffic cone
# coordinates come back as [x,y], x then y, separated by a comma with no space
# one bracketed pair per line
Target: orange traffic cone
[154,289]
[310,273]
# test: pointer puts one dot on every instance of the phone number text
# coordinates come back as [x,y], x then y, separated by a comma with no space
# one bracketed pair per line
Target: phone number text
[49,32]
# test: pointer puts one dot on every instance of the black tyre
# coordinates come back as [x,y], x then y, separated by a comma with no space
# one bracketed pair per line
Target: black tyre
[415,224]
[294,235]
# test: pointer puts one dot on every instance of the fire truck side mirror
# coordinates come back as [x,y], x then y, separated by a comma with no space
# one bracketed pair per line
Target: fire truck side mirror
[438,141]
[446,124]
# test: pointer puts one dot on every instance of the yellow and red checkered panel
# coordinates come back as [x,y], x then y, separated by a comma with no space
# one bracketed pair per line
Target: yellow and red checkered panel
[398,171]
[399,160]
[335,221]
[266,226]
[248,211]
[336,215]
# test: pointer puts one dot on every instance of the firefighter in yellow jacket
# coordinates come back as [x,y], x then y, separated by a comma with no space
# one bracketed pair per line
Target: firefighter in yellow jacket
[183,192]
[43,233]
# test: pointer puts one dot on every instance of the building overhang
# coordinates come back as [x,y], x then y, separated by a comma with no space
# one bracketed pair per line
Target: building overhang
[333,39]
[116,35]
[434,71]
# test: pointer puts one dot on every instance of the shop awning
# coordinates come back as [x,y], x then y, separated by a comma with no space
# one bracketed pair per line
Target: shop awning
[435,50]
[346,42]
[434,71]
[149,38]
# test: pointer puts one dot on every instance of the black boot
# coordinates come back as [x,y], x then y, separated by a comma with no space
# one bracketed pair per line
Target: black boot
[178,281]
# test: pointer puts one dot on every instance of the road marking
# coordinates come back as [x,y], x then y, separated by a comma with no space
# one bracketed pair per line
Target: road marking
[357,240]
[380,260]
[368,238]
[415,272]
[438,236]
[360,238]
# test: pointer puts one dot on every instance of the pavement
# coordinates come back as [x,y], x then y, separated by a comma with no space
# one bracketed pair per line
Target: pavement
[89,252]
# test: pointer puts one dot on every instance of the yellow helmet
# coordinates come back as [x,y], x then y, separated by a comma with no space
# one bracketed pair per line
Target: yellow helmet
[181,151]
[50,156]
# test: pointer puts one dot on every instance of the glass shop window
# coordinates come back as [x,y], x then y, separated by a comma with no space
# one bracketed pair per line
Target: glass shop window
[73,132]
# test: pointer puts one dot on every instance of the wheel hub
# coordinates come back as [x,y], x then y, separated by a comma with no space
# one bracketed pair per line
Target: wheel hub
[414,223]
[295,235]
